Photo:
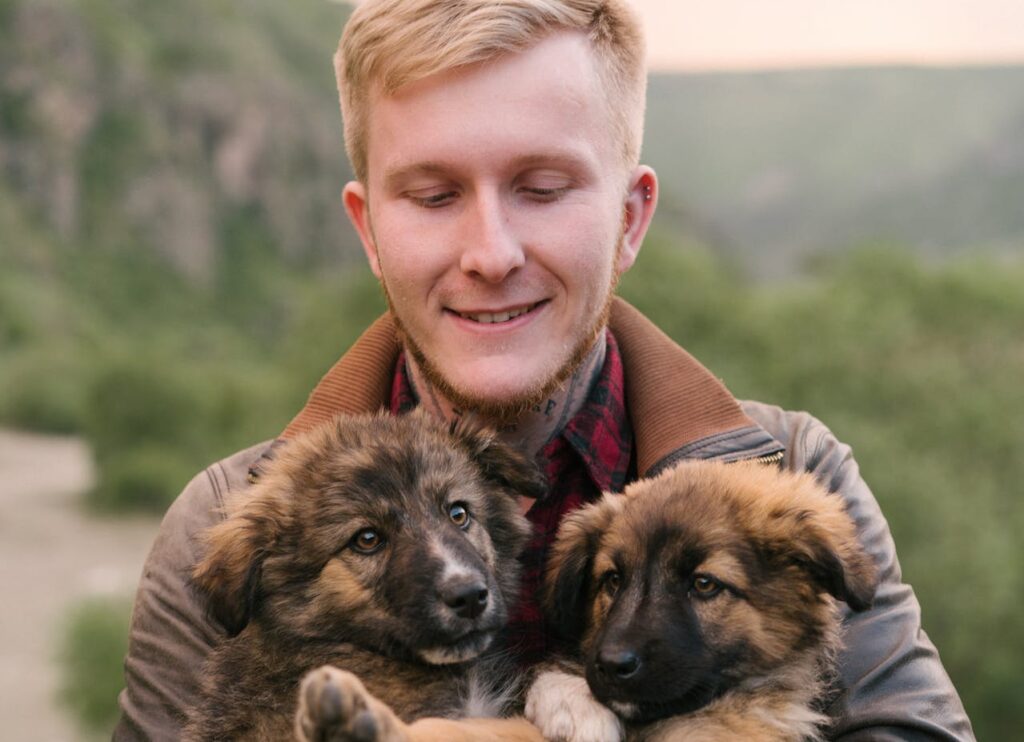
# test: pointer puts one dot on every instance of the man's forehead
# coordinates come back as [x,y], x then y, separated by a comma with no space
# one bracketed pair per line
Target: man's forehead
[543,105]
[572,49]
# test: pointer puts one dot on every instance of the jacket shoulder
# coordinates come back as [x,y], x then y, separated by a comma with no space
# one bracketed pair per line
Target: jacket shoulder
[805,437]
[171,630]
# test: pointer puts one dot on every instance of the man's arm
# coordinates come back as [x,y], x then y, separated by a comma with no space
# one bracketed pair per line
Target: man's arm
[892,683]
[171,631]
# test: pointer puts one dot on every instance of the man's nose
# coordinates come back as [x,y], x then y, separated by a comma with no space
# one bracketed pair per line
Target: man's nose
[491,249]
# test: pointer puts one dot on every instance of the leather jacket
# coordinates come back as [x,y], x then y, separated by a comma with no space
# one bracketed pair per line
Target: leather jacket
[891,684]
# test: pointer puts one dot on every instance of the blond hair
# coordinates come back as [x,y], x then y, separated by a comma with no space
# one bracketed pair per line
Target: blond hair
[388,44]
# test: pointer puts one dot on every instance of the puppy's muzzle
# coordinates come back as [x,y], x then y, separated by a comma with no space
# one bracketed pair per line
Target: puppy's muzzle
[617,663]
[465,596]
[623,671]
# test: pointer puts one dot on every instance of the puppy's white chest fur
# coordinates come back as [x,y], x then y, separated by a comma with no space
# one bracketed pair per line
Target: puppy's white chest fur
[481,698]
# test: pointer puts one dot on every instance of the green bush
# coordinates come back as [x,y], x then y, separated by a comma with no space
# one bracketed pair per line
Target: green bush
[147,427]
[43,390]
[93,646]
[133,402]
[142,477]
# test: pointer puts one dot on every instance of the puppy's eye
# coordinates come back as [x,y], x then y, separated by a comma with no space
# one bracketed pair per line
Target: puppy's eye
[705,586]
[611,581]
[459,514]
[367,541]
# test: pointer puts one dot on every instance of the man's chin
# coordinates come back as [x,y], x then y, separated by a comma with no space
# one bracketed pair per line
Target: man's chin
[499,403]
[488,392]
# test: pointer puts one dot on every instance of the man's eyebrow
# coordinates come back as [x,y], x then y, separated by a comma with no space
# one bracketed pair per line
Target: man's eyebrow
[561,157]
[565,158]
[397,175]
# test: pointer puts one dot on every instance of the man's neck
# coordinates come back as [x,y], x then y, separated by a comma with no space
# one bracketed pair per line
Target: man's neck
[532,430]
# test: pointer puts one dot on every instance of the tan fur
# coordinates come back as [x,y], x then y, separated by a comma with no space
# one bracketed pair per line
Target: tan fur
[752,658]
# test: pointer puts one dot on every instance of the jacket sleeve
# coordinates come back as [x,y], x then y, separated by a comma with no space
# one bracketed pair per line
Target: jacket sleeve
[892,685]
[171,631]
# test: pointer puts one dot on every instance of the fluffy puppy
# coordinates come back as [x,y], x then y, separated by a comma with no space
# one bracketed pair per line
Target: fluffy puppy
[383,546]
[705,604]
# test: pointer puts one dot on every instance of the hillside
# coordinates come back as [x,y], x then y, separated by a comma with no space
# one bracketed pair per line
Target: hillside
[776,166]
[199,131]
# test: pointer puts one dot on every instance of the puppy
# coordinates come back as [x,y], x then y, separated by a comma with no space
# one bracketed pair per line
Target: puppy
[705,604]
[381,547]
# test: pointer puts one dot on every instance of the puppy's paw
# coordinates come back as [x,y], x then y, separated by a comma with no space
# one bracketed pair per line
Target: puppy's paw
[335,707]
[563,708]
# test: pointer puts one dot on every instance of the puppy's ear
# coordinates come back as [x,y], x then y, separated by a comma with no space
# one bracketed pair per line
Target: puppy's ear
[822,539]
[842,569]
[230,572]
[500,462]
[567,582]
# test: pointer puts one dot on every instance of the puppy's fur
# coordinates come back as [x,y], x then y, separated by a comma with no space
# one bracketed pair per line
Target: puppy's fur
[385,546]
[705,601]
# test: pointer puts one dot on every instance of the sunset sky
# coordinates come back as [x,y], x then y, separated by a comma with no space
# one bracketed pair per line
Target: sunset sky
[717,34]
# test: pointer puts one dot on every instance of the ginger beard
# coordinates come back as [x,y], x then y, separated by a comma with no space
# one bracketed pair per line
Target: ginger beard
[508,410]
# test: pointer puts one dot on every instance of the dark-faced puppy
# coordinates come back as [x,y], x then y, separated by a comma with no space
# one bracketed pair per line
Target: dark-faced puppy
[385,546]
[705,601]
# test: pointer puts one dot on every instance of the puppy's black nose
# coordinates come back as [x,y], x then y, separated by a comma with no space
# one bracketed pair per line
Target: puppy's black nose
[466,599]
[618,664]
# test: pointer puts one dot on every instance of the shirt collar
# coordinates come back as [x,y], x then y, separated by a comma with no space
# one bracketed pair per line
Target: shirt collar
[600,432]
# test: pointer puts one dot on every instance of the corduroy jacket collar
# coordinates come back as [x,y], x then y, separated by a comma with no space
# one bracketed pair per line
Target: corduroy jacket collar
[678,409]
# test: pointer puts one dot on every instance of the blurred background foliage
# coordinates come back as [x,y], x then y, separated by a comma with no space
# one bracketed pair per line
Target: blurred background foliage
[177,273]
[95,638]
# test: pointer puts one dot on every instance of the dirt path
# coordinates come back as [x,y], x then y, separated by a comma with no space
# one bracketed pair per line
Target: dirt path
[52,554]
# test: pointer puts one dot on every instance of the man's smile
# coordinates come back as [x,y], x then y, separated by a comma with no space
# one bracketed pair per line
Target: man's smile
[498,316]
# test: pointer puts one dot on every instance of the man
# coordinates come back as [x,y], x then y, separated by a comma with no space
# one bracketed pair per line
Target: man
[498,197]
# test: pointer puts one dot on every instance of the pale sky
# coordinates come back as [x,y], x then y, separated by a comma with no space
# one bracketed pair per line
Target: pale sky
[724,34]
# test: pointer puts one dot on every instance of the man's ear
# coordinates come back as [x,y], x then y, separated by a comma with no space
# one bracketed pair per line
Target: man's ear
[357,206]
[641,200]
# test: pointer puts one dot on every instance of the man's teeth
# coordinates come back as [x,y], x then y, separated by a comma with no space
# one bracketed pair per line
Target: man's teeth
[489,317]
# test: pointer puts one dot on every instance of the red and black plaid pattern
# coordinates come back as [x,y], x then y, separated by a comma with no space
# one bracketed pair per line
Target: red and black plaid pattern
[593,454]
